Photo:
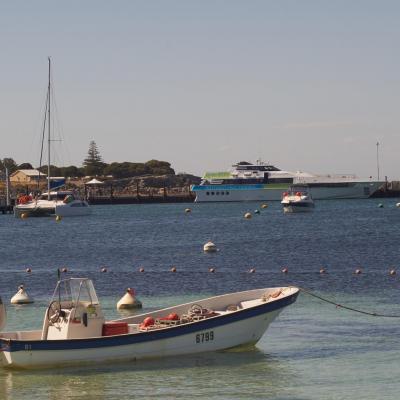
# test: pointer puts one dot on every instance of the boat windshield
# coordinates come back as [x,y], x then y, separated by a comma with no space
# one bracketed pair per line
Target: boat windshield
[75,290]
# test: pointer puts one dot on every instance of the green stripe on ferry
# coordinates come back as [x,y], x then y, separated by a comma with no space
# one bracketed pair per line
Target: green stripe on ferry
[217,175]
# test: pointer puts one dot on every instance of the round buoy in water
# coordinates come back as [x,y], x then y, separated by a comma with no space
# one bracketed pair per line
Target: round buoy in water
[358,271]
[264,205]
[21,297]
[256,211]
[397,204]
[285,270]
[210,247]
[247,215]
[380,205]
[188,210]
[28,270]
[141,269]
[129,301]
[212,270]
[173,269]
[65,269]
[58,218]
[252,270]
[104,269]
[322,271]
[392,272]
[24,215]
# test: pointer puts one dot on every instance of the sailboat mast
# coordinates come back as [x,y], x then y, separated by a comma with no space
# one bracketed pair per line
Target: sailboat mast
[48,137]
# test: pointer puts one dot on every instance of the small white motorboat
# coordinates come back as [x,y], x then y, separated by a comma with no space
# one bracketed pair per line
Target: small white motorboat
[75,331]
[297,199]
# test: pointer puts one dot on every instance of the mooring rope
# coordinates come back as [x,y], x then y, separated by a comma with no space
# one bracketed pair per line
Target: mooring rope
[373,314]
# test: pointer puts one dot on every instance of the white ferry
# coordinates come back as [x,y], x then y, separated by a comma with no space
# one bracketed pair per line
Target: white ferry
[265,182]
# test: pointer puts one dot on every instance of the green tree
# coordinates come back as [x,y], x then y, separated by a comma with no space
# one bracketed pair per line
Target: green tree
[25,166]
[54,171]
[159,167]
[8,163]
[93,163]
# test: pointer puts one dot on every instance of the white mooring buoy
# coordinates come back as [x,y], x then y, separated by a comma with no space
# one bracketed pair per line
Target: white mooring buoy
[129,301]
[210,247]
[21,297]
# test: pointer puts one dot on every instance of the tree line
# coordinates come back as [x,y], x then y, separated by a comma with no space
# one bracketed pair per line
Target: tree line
[93,165]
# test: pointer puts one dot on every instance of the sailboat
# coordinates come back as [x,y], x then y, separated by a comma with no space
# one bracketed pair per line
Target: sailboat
[60,203]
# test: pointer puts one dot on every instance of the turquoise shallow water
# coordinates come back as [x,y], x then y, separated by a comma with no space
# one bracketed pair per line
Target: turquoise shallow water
[312,351]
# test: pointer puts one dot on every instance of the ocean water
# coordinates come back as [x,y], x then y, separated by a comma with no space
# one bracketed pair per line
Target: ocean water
[312,351]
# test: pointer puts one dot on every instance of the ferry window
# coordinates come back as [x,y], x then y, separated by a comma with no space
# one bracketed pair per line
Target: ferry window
[217,193]
[212,193]
[227,193]
[208,193]
[222,193]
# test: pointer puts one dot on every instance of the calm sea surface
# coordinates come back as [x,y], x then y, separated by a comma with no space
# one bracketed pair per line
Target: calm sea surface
[312,351]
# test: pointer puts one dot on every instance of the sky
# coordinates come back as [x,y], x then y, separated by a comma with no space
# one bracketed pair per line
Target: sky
[305,85]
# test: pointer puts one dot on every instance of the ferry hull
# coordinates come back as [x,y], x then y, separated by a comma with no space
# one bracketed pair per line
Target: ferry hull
[239,328]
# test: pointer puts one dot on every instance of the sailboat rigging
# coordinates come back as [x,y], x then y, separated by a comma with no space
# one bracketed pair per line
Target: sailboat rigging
[60,203]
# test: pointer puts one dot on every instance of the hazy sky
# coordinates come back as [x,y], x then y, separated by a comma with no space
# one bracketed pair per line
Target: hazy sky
[305,85]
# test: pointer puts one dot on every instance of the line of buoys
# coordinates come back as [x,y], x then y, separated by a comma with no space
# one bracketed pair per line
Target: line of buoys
[129,301]
[209,247]
[21,297]
[247,215]
[284,270]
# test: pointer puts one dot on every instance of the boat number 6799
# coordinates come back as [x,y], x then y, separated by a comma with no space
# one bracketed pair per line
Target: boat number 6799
[205,337]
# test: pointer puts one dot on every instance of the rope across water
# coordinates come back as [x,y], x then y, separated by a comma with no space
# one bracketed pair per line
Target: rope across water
[373,314]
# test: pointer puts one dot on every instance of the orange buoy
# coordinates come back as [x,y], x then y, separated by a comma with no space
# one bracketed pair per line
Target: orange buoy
[285,270]
[104,269]
[148,321]
[141,269]
[29,270]
[252,270]
[392,272]
[358,271]
[211,270]
[173,269]
[173,317]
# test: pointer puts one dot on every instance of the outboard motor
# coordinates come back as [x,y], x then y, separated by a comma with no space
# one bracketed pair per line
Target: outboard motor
[3,315]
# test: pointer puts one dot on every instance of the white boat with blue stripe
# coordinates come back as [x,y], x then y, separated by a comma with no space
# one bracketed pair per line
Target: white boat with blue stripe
[75,331]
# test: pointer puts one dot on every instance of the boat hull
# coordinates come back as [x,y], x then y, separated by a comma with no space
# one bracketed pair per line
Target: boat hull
[217,333]
[260,192]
